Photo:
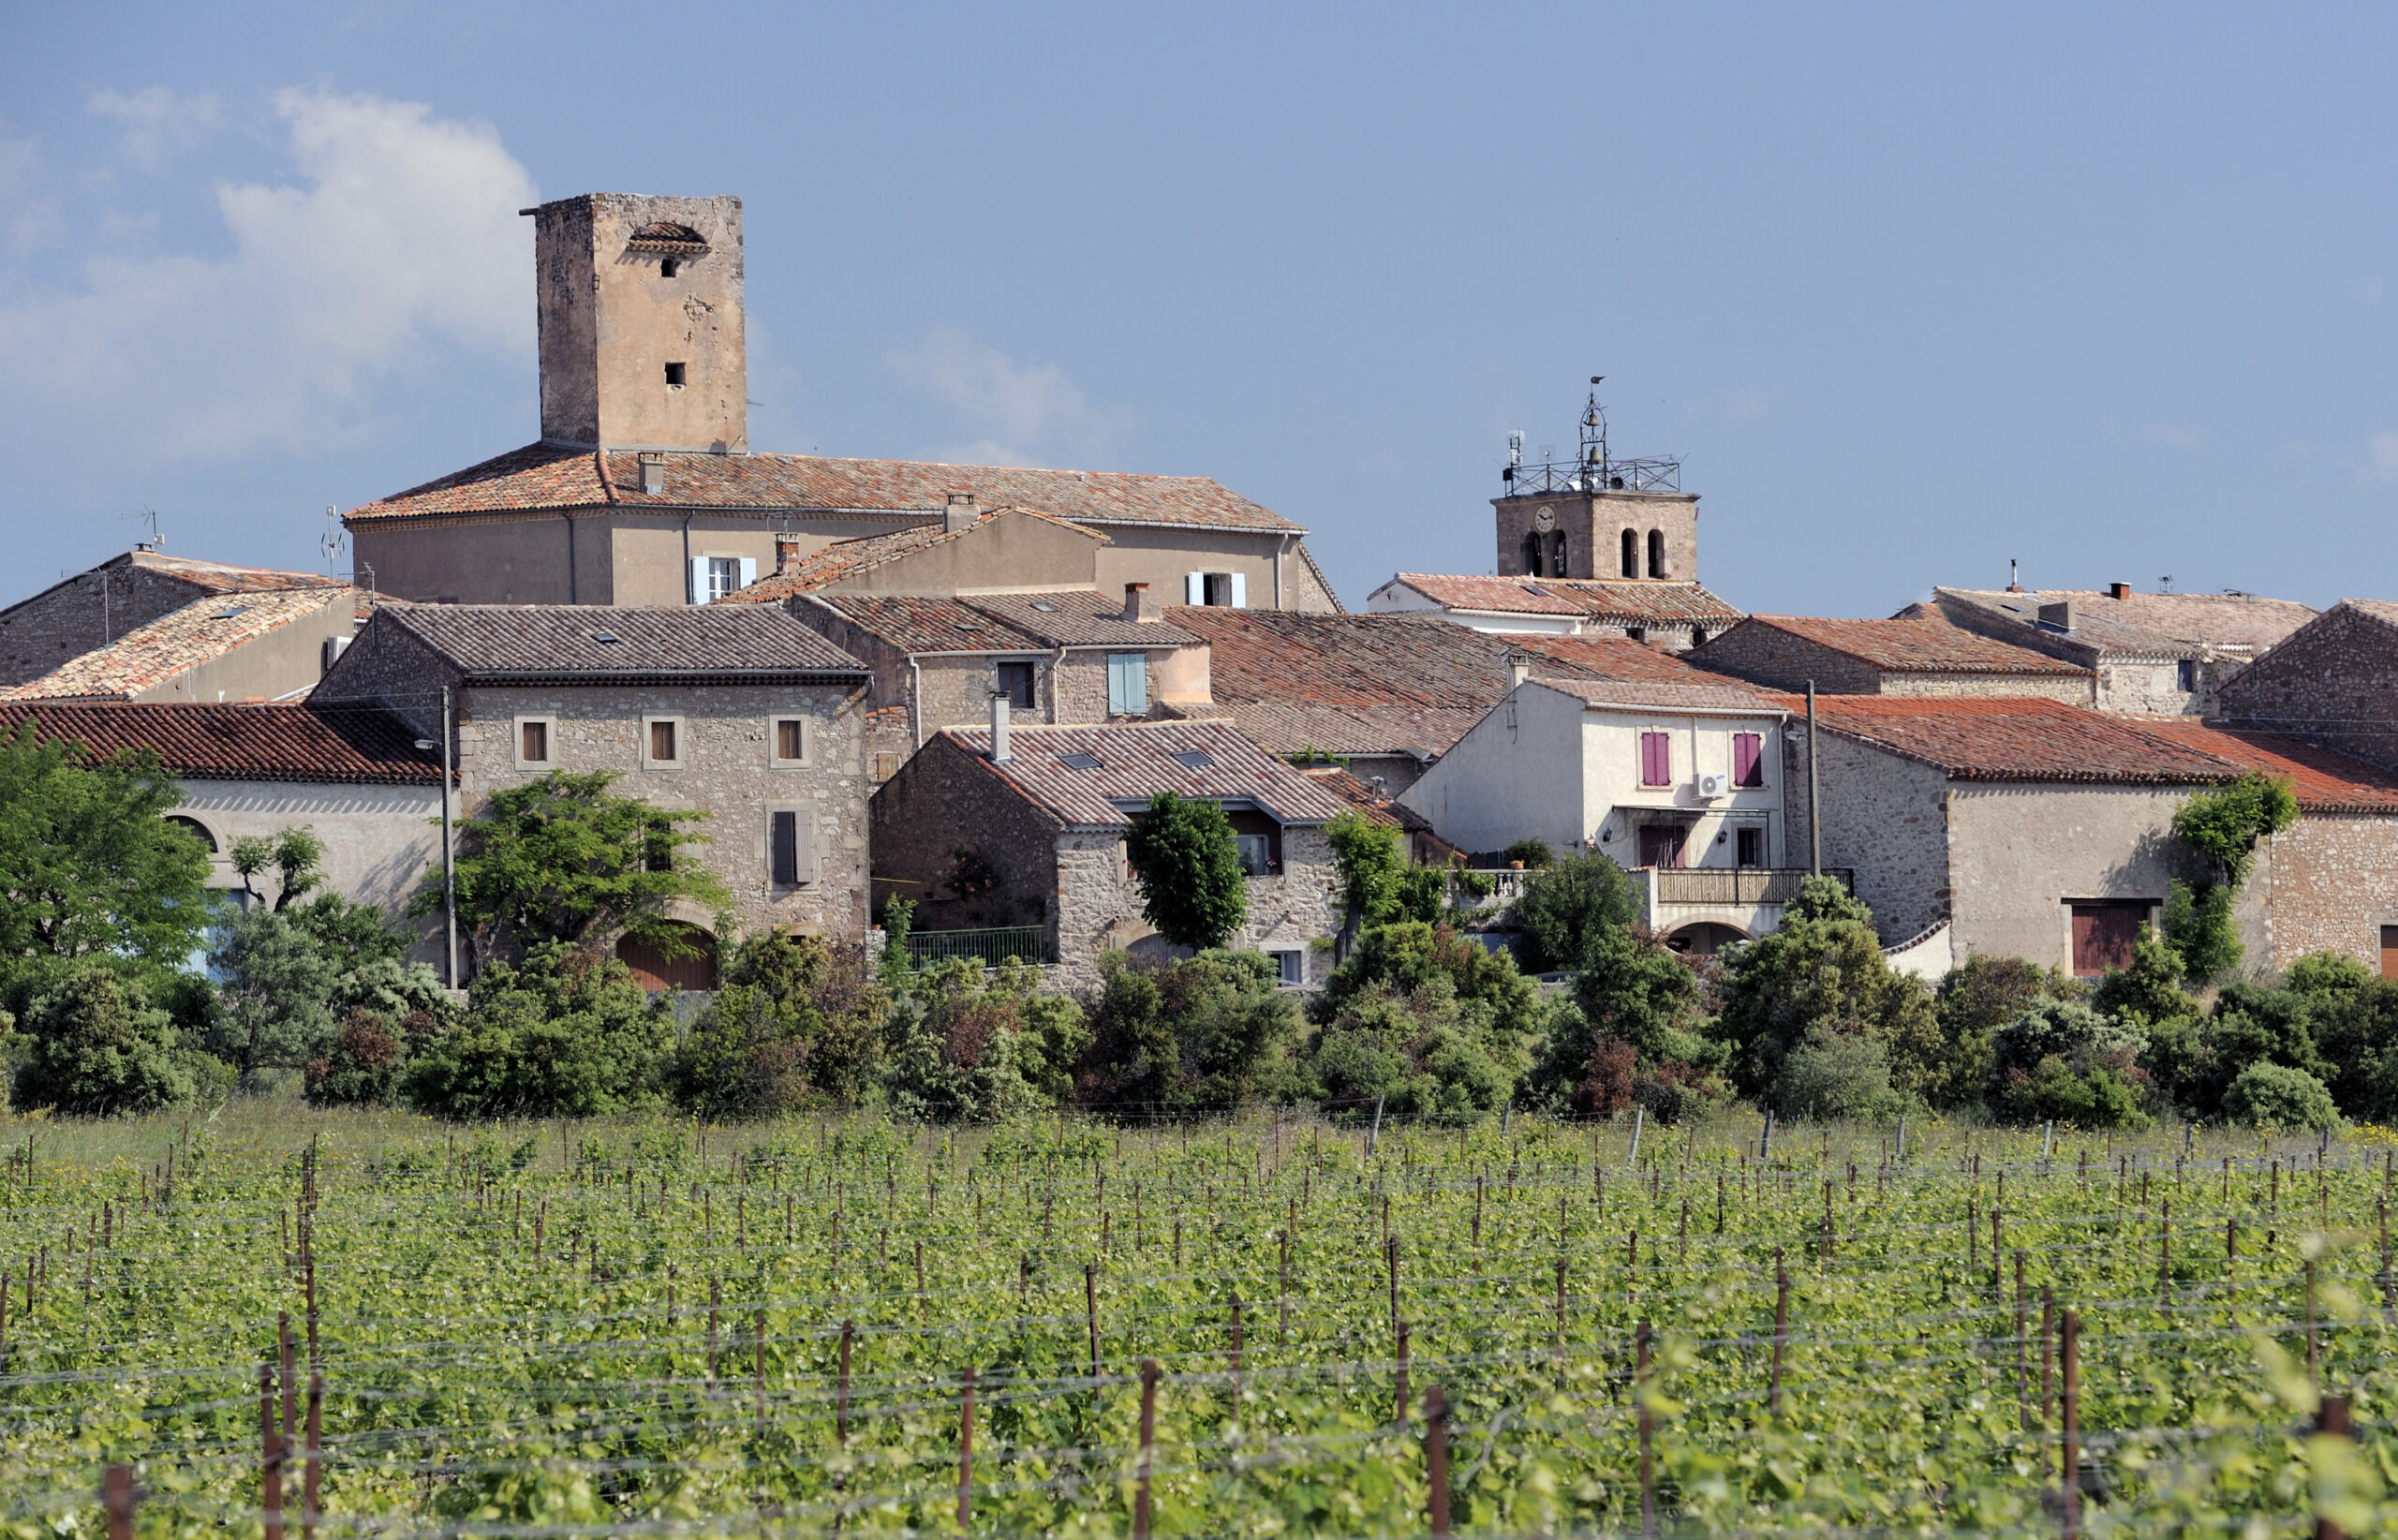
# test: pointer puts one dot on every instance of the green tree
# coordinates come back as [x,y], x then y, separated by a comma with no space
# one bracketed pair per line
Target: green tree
[297,856]
[1188,864]
[794,1022]
[99,1048]
[277,1005]
[1208,1031]
[966,1044]
[2061,1059]
[1567,904]
[563,858]
[88,863]
[1429,1021]
[1366,855]
[1632,1035]
[390,1014]
[569,1035]
[1972,1004]
[2222,828]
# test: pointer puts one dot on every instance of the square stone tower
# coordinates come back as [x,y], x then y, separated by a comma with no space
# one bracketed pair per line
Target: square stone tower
[641,325]
[1613,534]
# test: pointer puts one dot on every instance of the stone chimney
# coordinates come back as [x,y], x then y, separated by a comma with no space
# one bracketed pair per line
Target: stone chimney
[999,727]
[1519,668]
[1138,605]
[961,512]
[788,553]
[2119,590]
[2060,616]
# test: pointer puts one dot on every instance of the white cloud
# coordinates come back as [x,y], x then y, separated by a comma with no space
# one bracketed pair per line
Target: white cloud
[1019,415]
[2381,456]
[398,234]
[158,124]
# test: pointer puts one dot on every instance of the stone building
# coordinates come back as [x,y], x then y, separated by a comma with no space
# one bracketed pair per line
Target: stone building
[150,627]
[352,774]
[2147,654]
[2033,829]
[1922,656]
[1668,779]
[1672,616]
[642,489]
[1032,834]
[2333,681]
[737,712]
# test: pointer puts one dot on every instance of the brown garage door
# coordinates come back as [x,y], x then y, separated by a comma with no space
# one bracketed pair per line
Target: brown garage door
[2103,934]
[654,971]
[2390,951]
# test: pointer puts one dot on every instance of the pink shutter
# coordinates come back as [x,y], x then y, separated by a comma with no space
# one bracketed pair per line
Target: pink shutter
[1747,750]
[1656,760]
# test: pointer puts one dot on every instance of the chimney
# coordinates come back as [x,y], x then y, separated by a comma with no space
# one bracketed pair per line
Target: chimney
[652,473]
[2059,616]
[960,513]
[1519,668]
[787,553]
[2119,590]
[1138,605]
[999,727]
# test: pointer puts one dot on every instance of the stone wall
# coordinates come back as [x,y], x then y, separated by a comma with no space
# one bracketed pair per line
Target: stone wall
[1099,905]
[946,799]
[387,668]
[1885,817]
[87,612]
[726,770]
[1767,654]
[1593,528]
[2331,682]
[2148,688]
[2071,690]
[2329,884]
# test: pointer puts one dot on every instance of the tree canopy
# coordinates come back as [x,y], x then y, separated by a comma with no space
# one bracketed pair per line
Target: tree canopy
[1188,864]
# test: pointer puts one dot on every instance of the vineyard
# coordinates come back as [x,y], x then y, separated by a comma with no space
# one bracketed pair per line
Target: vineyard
[290,1326]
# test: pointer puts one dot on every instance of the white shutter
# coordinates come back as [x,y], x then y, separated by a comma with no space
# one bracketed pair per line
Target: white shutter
[1240,590]
[699,594]
[749,570]
[1194,588]
[807,848]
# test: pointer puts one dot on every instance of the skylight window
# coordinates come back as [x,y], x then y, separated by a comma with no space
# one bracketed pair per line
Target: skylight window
[1194,759]
[228,614]
[1044,606]
[1535,590]
[603,636]
[1079,761]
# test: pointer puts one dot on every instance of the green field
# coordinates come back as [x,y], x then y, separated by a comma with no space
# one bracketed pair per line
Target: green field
[575,1328]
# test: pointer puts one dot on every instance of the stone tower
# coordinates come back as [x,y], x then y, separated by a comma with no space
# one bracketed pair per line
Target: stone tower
[1596,517]
[641,322]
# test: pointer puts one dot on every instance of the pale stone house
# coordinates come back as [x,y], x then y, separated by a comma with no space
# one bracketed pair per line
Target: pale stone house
[1030,836]
[2333,682]
[1919,656]
[737,712]
[1665,614]
[642,488]
[1682,784]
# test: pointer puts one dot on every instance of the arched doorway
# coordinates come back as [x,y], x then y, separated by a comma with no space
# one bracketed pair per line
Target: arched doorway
[1705,938]
[194,828]
[654,971]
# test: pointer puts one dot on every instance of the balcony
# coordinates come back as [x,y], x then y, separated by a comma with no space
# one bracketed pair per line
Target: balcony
[1705,907]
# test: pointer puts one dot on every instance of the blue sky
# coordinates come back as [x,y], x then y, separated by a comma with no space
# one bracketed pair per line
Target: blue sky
[1910,290]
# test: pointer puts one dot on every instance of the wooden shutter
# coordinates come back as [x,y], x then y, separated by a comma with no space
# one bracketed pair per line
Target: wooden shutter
[1748,759]
[1656,760]
[791,846]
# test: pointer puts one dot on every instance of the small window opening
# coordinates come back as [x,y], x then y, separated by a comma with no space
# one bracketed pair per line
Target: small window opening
[1631,553]
[1557,555]
[657,851]
[1532,566]
[668,266]
[788,740]
[1749,847]
[537,742]
[1219,590]
[2185,674]
[1657,552]
[1256,854]
[1019,684]
[674,377]
[1290,967]
[661,740]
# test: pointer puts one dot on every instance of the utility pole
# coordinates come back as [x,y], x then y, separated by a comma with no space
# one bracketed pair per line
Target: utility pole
[449,850]
[1814,797]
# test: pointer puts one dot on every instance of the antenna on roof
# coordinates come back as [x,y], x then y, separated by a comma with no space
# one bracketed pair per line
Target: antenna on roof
[2014,583]
[334,540]
[148,515]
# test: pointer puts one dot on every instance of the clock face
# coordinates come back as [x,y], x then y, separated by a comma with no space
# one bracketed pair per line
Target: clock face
[1546,518]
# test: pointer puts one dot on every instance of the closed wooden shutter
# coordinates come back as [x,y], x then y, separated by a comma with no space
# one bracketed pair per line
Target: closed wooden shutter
[1656,760]
[2390,951]
[792,847]
[2102,935]
[1748,759]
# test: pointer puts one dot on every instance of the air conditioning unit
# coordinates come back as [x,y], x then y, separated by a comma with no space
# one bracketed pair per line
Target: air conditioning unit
[1711,786]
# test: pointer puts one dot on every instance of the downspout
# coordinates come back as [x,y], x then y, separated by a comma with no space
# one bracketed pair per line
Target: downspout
[916,700]
[689,597]
[1055,664]
[570,557]
[1814,800]
[1281,547]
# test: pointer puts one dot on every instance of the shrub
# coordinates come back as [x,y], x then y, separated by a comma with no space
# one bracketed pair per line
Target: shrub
[2060,1059]
[794,1022]
[1188,864]
[1834,1074]
[1972,1002]
[278,995]
[965,1044]
[1568,905]
[1823,975]
[1630,1037]
[1208,1032]
[98,1049]
[2148,991]
[2274,1096]
[569,1035]
[2356,1033]
[2193,1063]
[1532,850]
[1429,1020]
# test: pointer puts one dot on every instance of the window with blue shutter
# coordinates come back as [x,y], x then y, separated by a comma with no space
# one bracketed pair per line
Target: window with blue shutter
[1128,684]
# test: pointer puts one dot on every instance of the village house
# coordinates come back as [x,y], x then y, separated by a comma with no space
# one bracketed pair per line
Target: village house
[1922,656]
[737,712]
[2147,654]
[2025,827]
[642,490]
[1683,784]
[1010,839]
[1672,616]
[2333,682]
[156,628]
[353,776]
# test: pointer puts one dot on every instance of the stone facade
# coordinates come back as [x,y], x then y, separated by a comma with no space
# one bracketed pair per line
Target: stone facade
[1589,532]
[2334,682]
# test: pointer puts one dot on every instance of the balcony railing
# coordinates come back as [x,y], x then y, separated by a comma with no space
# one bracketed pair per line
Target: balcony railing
[1569,476]
[1738,887]
[1032,944]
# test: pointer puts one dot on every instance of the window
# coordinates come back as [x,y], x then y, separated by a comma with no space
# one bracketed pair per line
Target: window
[1661,844]
[1128,684]
[667,268]
[2390,951]
[674,377]
[2185,674]
[1748,759]
[194,828]
[1657,552]
[1557,555]
[791,847]
[536,741]
[657,851]
[661,742]
[1748,847]
[1017,682]
[789,740]
[724,576]
[714,577]
[1533,566]
[1224,590]
[1256,856]
[2103,934]
[1631,553]
[1193,759]
[1291,968]
[1656,759]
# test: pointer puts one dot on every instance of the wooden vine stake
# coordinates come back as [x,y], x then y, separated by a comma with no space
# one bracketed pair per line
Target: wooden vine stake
[1399,1332]
[966,1454]
[1148,1447]
[1090,1308]
[116,1497]
[1781,1329]
[1436,1457]
[2070,1465]
[841,1403]
[1647,1452]
[2331,1422]
[270,1455]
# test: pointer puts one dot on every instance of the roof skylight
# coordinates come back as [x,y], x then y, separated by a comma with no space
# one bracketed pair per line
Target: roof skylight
[1194,759]
[1077,759]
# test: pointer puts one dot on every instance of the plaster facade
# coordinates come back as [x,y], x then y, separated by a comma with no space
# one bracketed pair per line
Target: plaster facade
[1275,575]
[380,841]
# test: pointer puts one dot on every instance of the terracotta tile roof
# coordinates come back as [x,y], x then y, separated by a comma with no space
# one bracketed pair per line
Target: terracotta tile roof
[353,745]
[1653,603]
[1080,619]
[2143,625]
[1136,762]
[149,654]
[501,641]
[1649,695]
[1925,644]
[667,236]
[2017,737]
[1605,658]
[2380,609]
[2323,781]
[1001,622]
[556,476]
[1424,732]
[219,578]
[844,559]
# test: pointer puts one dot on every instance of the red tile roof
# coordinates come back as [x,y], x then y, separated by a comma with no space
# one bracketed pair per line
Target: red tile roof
[348,745]
[1001,622]
[1914,644]
[844,559]
[555,476]
[149,654]
[1651,695]
[219,578]
[2323,781]
[606,641]
[2145,625]
[1136,762]
[1614,603]
[1605,657]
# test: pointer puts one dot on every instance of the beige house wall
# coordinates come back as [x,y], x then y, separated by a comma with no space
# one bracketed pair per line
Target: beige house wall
[507,560]
[379,840]
[1163,557]
[286,659]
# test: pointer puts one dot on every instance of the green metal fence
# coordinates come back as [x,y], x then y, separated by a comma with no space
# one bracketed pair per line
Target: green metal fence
[1030,943]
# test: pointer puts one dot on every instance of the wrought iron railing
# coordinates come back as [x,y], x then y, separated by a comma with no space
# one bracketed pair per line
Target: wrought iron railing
[1032,944]
[1738,885]
[1567,476]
